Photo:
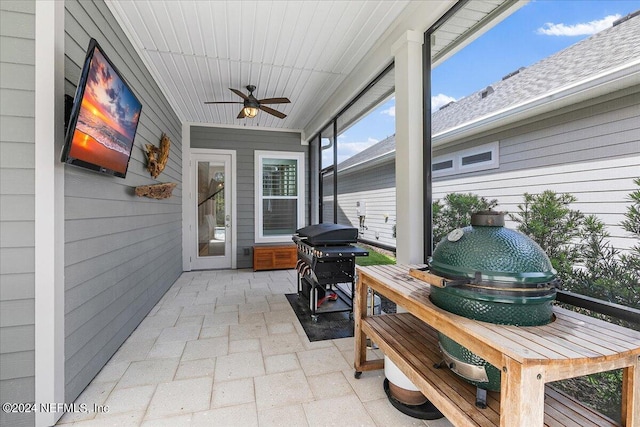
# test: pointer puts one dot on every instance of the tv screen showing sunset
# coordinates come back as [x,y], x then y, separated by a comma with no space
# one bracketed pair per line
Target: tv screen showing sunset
[107,120]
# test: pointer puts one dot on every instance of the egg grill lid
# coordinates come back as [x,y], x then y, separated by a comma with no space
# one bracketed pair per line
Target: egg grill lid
[487,253]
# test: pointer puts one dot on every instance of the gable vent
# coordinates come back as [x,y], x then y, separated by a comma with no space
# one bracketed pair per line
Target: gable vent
[488,91]
[513,73]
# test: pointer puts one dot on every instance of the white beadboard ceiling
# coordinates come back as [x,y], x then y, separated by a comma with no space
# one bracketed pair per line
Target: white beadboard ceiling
[302,50]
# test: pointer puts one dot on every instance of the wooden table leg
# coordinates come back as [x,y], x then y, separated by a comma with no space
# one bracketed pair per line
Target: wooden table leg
[522,395]
[631,395]
[359,313]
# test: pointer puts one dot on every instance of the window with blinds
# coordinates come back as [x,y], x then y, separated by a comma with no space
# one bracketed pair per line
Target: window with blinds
[279,178]
[280,204]
[279,196]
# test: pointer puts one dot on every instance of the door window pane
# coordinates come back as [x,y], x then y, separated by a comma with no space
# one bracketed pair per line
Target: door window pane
[211,209]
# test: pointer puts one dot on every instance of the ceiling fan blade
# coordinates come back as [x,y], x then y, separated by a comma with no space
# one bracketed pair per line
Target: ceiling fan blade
[224,102]
[240,94]
[273,112]
[274,101]
[241,114]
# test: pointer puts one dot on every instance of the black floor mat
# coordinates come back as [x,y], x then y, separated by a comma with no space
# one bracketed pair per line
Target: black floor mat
[329,325]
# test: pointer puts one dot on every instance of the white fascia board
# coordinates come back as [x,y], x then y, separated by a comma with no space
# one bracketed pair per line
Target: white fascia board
[618,78]
[389,155]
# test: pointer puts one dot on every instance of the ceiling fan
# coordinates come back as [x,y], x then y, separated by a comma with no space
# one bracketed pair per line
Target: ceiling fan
[251,104]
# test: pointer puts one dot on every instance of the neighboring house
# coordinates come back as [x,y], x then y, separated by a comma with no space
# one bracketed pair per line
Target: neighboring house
[367,193]
[569,123]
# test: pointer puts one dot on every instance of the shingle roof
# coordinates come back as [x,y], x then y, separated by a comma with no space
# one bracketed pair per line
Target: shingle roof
[376,150]
[605,50]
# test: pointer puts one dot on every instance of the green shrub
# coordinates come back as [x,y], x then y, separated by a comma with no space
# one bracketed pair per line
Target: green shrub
[454,211]
[632,226]
[550,222]
[588,264]
[605,273]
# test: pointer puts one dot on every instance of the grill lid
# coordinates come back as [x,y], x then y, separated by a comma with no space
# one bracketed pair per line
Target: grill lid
[327,234]
[487,252]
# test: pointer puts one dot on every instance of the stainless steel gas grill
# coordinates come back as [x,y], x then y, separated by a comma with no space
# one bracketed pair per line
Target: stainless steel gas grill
[326,259]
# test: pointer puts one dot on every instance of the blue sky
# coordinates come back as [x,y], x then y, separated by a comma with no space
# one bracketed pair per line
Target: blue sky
[536,31]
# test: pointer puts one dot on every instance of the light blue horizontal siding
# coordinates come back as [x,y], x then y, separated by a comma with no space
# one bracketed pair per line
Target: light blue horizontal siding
[122,252]
[17,207]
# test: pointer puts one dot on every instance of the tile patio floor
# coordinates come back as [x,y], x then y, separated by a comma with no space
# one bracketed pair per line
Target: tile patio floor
[224,348]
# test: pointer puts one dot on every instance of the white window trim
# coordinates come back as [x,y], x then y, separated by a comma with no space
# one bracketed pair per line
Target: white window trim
[459,168]
[288,155]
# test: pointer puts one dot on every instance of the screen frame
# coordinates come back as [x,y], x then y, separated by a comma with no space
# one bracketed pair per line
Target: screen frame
[75,114]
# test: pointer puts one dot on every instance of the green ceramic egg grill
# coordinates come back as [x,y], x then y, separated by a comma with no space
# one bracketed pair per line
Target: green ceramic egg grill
[499,276]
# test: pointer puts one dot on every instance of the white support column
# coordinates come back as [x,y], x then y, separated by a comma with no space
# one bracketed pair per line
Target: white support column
[187,200]
[409,147]
[49,209]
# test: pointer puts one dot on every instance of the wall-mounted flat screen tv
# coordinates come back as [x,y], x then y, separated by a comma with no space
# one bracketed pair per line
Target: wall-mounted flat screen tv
[104,118]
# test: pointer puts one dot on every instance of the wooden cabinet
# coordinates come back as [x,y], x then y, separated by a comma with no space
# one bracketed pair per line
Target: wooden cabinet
[529,357]
[273,257]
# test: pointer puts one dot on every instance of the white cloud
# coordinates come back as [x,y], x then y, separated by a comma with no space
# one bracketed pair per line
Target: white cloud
[439,100]
[588,28]
[347,149]
[391,111]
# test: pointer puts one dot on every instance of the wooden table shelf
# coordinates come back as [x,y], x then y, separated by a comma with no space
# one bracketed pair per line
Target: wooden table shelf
[572,345]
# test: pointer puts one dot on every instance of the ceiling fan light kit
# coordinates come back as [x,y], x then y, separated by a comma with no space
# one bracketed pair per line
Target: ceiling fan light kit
[252,105]
[250,112]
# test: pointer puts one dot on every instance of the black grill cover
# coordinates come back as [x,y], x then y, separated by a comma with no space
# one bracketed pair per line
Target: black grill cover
[328,234]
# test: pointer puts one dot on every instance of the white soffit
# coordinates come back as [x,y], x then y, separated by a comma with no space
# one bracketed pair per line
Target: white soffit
[300,49]
[467,24]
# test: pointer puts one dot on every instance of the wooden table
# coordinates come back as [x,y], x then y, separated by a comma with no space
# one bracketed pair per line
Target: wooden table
[529,357]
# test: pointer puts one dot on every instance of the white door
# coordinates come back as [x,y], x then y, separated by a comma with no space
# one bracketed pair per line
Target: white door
[212,204]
